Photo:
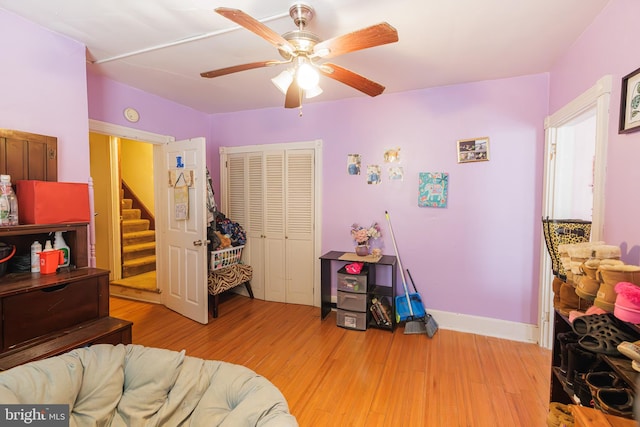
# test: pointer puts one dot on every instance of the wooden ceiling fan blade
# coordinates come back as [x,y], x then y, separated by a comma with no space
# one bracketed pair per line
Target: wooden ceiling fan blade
[352,79]
[256,27]
[293,99]
[375,35]
[236,68]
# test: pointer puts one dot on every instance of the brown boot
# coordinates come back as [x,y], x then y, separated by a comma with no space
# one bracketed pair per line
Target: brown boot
[587,288]
[569,300]
[609,276]
[614,274]
[606,251]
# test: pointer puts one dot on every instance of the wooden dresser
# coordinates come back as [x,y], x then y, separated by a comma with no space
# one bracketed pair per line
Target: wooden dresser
[42,315]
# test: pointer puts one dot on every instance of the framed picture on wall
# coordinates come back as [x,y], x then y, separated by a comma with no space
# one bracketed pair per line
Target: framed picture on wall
[473,150]
[630,103]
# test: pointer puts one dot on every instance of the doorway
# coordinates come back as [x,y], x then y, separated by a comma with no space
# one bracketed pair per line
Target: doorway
[574,173]
[128,173]
[121,244]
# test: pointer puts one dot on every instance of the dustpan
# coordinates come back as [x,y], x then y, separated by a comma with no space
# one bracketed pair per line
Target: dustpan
[403,313]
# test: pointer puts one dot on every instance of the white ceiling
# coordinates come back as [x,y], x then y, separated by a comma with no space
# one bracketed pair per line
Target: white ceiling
[442,42]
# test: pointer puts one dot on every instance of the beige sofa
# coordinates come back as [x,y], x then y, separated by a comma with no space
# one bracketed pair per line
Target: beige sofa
[133,385]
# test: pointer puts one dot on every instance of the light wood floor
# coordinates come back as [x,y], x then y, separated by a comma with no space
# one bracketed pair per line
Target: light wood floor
[337,377]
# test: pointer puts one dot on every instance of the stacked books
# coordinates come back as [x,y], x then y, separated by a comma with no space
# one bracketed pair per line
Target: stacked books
[381,311]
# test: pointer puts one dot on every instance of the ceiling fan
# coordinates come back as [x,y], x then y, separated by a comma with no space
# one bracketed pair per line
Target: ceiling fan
[304,50]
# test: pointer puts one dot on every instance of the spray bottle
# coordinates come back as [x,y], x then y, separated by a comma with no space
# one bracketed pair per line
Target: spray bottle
[59,243]
[36,248]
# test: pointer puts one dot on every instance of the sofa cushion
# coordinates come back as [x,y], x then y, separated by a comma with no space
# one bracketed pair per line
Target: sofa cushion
[149,375]
[101,388]
[238,396]
[55,380]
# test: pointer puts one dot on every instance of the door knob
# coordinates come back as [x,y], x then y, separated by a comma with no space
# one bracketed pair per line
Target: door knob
[197,243]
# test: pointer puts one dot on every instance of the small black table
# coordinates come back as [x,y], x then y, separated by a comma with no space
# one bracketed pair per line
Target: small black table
[326,272]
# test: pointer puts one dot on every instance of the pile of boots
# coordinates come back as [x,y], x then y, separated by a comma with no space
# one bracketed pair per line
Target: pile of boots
[588,282]
[593,269]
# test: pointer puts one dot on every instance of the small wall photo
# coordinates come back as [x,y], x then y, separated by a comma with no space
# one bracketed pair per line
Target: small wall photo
[473,150]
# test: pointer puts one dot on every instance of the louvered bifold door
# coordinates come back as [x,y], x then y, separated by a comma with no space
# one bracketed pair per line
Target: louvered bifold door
[271,193]
[236,184]
[254,204]
[274,229]
[299,214]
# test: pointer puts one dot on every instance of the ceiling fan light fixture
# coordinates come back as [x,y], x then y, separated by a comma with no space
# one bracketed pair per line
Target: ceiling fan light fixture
[307,76]
[283,80]
[322,52]
[312,92]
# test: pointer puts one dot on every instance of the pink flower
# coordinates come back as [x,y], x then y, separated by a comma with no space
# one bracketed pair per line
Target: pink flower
[362,235]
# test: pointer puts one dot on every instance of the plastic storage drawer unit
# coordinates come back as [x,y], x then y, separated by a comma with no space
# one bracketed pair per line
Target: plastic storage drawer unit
[352,282]
[352,301]
[352,320]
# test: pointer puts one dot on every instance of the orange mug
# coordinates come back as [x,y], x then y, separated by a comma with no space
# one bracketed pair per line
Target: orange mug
[50,260]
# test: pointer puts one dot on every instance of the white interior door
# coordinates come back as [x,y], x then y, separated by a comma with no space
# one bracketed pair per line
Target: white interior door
[182,243]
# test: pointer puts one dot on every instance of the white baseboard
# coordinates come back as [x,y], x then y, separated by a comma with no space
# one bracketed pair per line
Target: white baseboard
[486,326]
[482,325]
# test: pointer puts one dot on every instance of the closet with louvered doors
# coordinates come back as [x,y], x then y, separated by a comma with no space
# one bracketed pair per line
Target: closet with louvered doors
[271,191]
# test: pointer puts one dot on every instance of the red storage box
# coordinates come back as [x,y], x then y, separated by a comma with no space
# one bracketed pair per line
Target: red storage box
[51,202]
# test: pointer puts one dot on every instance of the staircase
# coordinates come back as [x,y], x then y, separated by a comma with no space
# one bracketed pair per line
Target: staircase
[138,279]
[138,242]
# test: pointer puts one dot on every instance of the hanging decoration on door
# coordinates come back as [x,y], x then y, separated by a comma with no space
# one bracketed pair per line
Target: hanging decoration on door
[181,185]
[186,179]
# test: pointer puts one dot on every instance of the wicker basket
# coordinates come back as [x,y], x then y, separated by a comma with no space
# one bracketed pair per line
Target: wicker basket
[226,257]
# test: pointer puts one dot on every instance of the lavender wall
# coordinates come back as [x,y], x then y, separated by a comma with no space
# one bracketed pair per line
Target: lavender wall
[108,99]
[44,91]
[479,256]
[609,46]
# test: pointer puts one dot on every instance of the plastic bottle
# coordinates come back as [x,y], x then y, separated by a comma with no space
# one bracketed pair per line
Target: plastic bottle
[59,243]
[8,202]
[47,246]
[36,248]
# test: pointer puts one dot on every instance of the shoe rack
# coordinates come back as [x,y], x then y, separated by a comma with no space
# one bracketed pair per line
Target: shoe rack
[560,391]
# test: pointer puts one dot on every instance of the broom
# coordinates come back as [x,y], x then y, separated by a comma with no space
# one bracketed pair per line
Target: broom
[429,322]
[412,325]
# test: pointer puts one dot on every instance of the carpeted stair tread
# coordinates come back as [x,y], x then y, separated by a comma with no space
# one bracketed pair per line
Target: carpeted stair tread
[132,225]
[139,261]
[128,214]
[137,237]
[126,203]
[136,247]
[137,266]
[138,250]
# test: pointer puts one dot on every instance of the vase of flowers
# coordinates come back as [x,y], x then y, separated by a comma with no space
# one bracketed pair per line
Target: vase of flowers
[362,237]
